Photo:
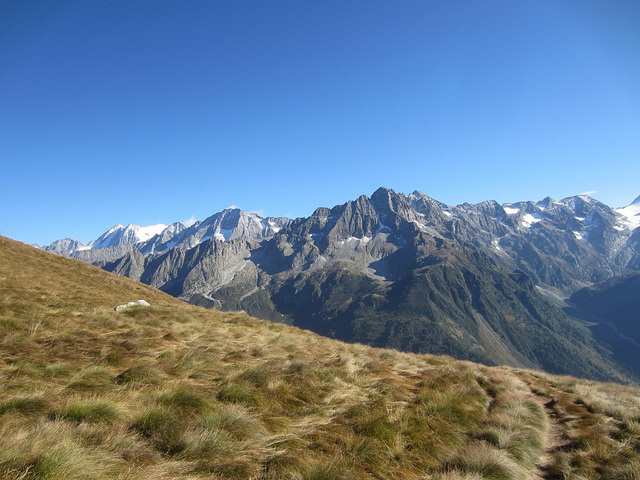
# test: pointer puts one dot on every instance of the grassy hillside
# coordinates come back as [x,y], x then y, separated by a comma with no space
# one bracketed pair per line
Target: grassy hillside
[177,391]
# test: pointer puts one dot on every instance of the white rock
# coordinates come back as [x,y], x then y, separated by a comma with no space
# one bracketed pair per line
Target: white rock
[141,303]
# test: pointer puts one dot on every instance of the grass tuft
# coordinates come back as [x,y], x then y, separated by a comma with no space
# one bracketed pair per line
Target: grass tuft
[163,428]
[240,391]
[94,410]
[326,469]
[236,420]
[25,405]
[491,463]
[139,375]
[183,399]
[92,379]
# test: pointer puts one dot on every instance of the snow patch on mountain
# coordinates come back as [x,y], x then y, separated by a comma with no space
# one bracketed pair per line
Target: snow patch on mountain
[223,234]
[274,226]
[131,234]
[631,214]
[510,210]
[529,219]
[145,233]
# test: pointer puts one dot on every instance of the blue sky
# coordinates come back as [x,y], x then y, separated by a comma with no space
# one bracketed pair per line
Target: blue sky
[154,111]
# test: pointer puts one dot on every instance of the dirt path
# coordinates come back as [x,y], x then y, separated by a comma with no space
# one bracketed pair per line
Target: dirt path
[555,438]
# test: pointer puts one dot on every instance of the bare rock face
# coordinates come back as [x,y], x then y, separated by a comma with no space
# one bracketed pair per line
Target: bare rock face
[65,246]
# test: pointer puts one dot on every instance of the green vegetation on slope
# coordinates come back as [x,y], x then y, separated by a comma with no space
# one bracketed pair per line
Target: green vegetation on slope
[176,391]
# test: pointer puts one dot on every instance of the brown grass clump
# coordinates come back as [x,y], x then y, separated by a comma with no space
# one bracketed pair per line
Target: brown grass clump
[180,392]
[482,459]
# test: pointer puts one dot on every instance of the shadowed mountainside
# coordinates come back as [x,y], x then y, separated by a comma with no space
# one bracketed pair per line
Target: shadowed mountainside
[613,308]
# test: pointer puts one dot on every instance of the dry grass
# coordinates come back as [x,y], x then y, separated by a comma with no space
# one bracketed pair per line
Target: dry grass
[175,391]
[600,428]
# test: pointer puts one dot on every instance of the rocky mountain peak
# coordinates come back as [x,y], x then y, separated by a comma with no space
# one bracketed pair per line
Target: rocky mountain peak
[545,202]
[129,235]
[65,246]
[393,210]
[356,218]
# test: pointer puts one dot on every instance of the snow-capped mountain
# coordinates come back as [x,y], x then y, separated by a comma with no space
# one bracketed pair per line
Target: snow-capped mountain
[132,234]
[227,225]
[64,246]
[224,226]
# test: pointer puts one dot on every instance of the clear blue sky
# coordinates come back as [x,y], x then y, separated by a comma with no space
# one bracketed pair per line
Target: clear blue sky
[154,111]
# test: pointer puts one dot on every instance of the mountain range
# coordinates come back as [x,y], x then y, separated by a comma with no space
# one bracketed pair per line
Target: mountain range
[498,284]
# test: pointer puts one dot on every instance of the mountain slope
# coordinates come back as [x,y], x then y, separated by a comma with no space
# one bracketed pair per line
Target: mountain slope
[173,391]
[408,272]
[404,271]
[616,300]
[613,306]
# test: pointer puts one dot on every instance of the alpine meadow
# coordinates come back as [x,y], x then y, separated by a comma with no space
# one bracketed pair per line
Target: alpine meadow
[173,390]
